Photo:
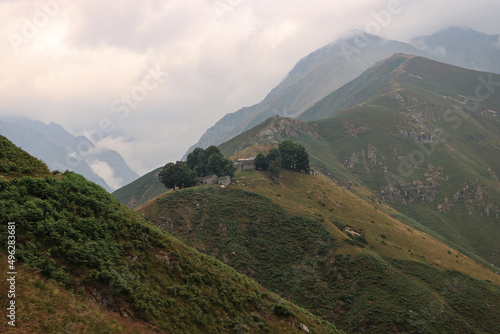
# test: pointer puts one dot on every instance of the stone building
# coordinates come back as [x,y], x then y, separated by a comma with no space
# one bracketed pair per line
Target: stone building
[214,179]
[245,164]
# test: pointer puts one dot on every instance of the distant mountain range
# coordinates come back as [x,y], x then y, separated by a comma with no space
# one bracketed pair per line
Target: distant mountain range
[463,47]
[335,64]
[55,146]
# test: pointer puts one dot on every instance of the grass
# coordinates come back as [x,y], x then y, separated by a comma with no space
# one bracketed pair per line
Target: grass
[290,237]
[141,190]
[74,233]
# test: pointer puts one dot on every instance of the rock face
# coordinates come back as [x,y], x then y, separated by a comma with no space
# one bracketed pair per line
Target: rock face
[409,192]
[474,196]
[286,127]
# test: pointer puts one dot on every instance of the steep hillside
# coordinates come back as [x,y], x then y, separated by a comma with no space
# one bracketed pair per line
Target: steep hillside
[423,147]
[16,162]
[52,144]
[418,143]
[75,233]
[40,302]
[311,79]
[326,249]
[141,190]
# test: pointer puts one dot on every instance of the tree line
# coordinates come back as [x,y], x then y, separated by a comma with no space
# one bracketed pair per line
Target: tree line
[288,155]
[199,163]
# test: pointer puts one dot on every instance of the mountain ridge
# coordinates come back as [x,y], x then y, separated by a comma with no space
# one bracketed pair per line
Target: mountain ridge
[328,68]
[305,85]
[56,146]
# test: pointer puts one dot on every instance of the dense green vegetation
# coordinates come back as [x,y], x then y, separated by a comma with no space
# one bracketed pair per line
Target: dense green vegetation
[73,232]
[209,161]
[299,259]
[199,163]
[14,161]
[177,175]
[288,155]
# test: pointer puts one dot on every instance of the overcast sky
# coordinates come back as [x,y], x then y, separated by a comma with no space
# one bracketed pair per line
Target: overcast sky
[154,75]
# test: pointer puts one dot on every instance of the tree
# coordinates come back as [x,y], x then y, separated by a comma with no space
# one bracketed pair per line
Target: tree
[215,165]
[210,161]
[302,159]
[196,161]
[229,168]
[260,162]
[177,175]
[294,156]
[288,150]
[272,155]
[274,168]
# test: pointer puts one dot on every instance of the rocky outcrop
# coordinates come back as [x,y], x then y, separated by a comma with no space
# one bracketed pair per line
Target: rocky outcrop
[418,136]
[403,192]
[286,127]
[368,157]
[474,196]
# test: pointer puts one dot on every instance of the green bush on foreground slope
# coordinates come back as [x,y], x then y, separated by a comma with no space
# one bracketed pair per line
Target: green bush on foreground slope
[74,232]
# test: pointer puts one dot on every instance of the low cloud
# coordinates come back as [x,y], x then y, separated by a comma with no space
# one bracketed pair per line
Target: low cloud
[102,169]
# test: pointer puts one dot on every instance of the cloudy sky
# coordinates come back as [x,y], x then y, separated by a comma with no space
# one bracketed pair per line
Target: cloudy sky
[151,76]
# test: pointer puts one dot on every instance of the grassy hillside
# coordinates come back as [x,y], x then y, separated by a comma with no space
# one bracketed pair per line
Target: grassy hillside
[141,190]
[40,302]
[417,143]
[74,233]
[299,239]
[424,148]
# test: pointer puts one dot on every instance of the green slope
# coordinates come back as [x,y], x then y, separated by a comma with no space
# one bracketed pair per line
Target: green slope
[364,284]
[16,162]
[418,141]
[419,146]
[73,232]
[141,190]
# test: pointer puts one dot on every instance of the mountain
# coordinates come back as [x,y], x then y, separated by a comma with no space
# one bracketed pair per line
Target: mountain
[326,249]
[337,63]
[463,47]
[397,231]
[57,147]
[311,79]
[421,145]
[89,264]
[413,138]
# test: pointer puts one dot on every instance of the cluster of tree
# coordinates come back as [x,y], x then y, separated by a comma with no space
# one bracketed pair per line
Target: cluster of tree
[199,163]
[288,155]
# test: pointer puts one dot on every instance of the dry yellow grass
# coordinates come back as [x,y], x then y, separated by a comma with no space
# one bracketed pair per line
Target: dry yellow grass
[321,198]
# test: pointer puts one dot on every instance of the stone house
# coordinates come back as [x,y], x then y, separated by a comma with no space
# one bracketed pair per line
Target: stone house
[214,179]
[245,164]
